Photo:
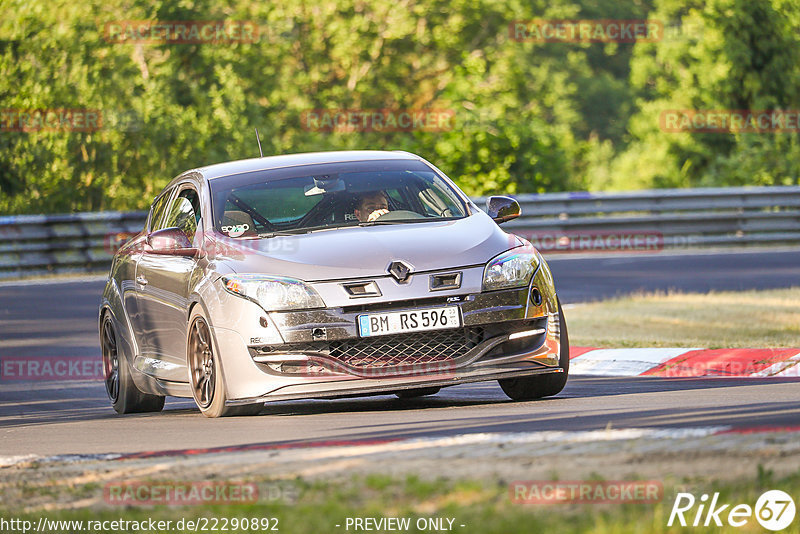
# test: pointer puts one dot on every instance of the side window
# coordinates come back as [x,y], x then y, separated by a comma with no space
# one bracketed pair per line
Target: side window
[435,203]
[157,210]
[184,213]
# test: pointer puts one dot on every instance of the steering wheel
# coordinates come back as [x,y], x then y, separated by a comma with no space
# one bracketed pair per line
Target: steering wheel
[399,215]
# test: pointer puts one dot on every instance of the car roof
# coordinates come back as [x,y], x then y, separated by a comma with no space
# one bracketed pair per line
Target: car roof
[229,168]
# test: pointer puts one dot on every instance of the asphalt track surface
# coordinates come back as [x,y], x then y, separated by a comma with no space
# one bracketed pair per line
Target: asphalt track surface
[58,319]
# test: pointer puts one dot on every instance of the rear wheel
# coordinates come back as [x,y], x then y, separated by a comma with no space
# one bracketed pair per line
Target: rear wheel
[536,387]
[418,392]
[205,372]
[125,397]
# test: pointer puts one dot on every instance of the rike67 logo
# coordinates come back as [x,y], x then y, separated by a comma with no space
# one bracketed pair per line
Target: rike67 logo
[774,510]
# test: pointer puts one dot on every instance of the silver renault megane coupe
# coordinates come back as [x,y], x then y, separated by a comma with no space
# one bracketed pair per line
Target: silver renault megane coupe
[325,275]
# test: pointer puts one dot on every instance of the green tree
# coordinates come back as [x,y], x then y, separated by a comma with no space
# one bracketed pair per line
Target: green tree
[745,57]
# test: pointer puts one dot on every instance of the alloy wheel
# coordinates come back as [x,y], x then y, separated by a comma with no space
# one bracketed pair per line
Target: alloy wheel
[201,362]
[110,360]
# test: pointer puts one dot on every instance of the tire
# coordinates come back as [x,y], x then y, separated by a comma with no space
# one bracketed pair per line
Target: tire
[125,397]
[418,392]
[536,387]
[206,378]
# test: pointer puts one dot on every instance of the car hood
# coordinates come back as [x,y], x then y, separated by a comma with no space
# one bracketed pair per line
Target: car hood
[357,252]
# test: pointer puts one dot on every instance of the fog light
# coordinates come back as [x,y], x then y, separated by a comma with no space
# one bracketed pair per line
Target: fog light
[536,297]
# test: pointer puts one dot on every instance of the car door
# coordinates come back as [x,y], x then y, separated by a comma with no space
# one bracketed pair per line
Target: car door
[163,291]
[130,288]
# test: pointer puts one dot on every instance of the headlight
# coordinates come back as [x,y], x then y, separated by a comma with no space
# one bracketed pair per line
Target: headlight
[273,293]
[513,268]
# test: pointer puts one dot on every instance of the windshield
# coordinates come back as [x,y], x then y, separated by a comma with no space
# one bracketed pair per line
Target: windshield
[268,203]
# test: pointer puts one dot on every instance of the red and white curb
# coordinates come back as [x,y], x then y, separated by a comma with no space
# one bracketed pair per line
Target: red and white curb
[685,362]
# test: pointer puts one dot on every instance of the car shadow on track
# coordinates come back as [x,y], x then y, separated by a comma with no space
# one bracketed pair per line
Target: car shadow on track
[83,402]
[491,394]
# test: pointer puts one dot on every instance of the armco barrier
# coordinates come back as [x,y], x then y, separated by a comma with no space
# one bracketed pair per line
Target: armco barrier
[678,217]
[32,245]
[555,222]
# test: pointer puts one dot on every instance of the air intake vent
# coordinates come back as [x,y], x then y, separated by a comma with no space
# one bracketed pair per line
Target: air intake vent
[440,282]
[362,289]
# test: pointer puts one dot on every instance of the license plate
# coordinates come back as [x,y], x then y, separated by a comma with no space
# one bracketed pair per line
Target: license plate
[381,324]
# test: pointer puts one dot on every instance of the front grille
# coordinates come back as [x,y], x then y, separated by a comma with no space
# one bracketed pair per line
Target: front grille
[440,346]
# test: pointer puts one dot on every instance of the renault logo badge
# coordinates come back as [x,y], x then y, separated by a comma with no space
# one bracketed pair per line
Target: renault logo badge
[400,270]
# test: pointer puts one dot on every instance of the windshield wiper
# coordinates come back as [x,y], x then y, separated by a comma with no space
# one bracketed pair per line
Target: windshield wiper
[296,231]
[276,233]
[397,221]
[309,229]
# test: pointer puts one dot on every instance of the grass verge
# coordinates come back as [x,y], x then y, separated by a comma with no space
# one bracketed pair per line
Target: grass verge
[731,319]
[480,507]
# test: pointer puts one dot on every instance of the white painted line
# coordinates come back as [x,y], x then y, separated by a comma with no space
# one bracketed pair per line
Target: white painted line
[520,438]
[8,461]
[66,279]
[72,458]
[418,444]
[622,362]
[551,257]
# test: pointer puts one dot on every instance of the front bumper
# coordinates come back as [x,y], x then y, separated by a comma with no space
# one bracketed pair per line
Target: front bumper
[319,353]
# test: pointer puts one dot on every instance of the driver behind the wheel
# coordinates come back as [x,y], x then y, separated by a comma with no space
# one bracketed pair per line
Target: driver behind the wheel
[370,206]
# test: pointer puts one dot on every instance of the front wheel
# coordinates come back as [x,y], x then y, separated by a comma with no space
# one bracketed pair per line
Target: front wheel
[205,372]
[536,387]
[125,397]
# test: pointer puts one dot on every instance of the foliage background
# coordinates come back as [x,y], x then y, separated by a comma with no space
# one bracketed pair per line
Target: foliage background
[530,117]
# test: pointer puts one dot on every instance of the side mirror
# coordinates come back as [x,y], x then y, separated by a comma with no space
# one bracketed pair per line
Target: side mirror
[502,209]
[170,242]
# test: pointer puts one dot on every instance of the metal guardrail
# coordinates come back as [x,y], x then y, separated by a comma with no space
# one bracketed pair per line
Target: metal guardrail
[32,245]
[643,221]
[671,218]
